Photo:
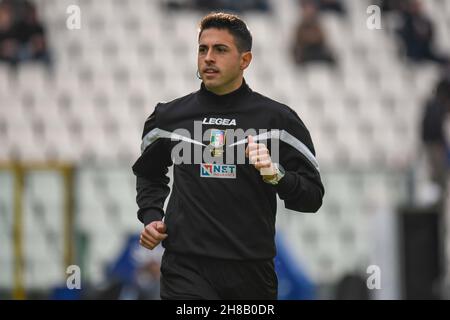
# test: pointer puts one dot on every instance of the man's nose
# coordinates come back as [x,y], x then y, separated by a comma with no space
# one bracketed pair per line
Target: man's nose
[209,56]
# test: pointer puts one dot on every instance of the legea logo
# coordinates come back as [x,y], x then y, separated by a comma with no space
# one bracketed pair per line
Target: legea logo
[220,121]
[211,170]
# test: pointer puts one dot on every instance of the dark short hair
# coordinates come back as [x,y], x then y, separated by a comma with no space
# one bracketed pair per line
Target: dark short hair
[233,24]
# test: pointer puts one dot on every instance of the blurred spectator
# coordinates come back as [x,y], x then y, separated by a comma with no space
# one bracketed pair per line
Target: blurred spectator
[227,5]
[31,36]
[22,36]
[433,132]
[417,34]
[393,5]
[335,6]
[232,5]
[133,275]
[309,42]
[8,43]
[293,281]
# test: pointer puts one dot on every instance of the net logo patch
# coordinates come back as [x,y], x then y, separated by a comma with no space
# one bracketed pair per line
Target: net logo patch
[224,171]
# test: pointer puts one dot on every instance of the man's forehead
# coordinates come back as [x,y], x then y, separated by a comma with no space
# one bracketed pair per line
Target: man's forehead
[215,36]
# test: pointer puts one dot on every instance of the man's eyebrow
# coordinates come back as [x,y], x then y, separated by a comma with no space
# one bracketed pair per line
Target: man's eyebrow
[214,46]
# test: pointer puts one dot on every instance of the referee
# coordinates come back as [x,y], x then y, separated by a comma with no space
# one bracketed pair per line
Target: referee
[218,230]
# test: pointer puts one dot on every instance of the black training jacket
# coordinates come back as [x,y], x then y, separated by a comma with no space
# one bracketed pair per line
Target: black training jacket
[217,208]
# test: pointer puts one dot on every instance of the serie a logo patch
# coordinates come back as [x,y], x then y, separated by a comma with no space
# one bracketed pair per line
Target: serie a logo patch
[217,141]
[225,171]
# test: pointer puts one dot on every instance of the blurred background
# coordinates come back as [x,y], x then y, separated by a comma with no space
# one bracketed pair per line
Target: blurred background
[73,102]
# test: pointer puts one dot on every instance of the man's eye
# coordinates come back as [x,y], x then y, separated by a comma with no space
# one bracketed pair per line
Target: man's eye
[221,49]
[201,50]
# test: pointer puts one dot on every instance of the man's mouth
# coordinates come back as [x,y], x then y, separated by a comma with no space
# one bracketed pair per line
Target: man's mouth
[210,71]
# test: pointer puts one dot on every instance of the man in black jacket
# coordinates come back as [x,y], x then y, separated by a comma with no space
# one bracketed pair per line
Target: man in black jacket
[219,225]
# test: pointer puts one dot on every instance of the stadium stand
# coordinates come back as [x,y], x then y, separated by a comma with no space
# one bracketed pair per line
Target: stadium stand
[364,116]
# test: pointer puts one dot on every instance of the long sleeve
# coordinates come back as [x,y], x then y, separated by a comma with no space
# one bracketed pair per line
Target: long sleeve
[151,170]
[301,187]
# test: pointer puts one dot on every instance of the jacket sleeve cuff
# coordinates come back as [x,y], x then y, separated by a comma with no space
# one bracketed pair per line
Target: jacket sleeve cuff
[286,185]
[150,215]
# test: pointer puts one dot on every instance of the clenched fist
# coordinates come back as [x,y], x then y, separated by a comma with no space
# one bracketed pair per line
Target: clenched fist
[259,156]
[153,234]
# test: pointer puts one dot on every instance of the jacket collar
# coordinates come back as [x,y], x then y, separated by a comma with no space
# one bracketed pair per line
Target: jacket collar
[226,99]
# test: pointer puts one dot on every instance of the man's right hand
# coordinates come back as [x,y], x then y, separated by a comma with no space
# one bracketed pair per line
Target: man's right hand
[153,234]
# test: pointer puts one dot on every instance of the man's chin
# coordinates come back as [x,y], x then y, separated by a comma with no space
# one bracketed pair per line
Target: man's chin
[211,84]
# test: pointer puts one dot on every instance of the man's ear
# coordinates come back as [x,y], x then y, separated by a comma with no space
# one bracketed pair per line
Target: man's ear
[246,58]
